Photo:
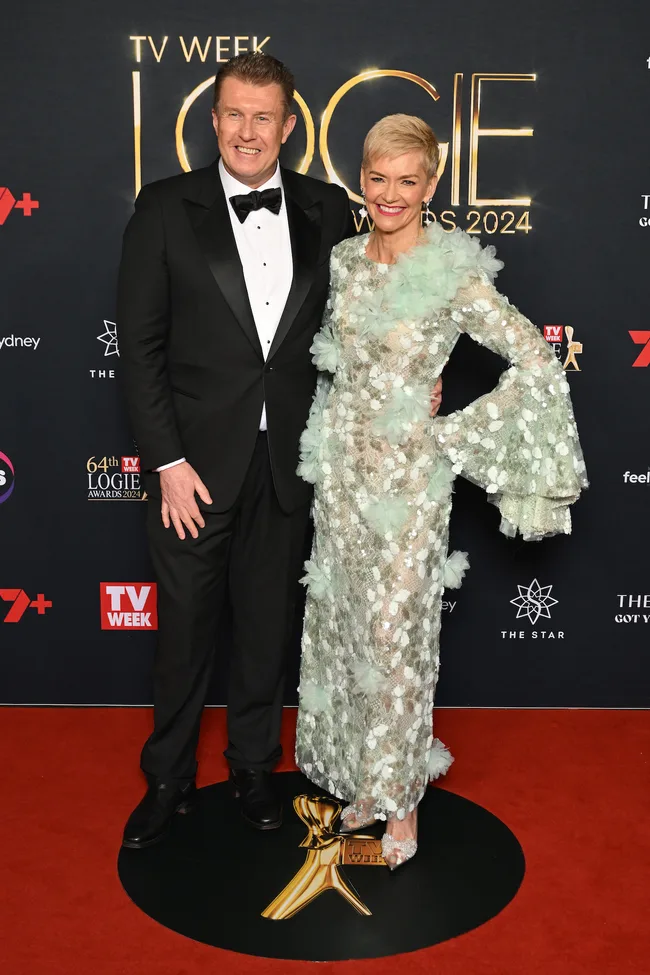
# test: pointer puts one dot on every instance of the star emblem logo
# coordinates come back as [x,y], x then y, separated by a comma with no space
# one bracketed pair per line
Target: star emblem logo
[534,601]
[109,339]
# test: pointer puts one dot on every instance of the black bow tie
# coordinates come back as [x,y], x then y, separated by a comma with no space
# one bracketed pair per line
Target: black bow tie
[247,202]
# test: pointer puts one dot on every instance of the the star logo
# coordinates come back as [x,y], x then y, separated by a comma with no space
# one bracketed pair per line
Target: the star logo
[109,338]
[534,601]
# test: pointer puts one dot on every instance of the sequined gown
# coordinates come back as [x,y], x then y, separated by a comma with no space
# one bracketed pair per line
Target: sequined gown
[383,472]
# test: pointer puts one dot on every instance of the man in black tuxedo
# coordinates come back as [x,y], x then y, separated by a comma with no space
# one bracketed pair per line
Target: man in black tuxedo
[222,285]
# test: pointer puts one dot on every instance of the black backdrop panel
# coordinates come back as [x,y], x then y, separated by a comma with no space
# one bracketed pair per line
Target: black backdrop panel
[97,99]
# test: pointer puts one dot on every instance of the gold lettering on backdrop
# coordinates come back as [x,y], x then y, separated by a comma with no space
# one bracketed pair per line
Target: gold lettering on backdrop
[456,140]
[258,47]
[137,131]
[310,133]
[359,221]
[158,54]
[181,151]
[326,853]
[225,45]
[476,133]
[476,219]
[222,51]
[336,98]
[195,46]
[138,46]
[447,220]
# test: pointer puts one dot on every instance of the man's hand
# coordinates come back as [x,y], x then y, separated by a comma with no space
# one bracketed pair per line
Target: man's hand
[178,485]
[436,397]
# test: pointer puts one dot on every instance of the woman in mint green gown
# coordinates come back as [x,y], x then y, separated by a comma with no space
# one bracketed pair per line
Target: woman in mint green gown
[383,471]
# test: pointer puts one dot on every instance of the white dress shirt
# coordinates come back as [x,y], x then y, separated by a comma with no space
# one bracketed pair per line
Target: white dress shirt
[264,247]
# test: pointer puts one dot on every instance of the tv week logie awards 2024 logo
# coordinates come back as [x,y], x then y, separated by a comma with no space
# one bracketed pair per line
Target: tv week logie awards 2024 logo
[114,479]
[128,605]
[459,103]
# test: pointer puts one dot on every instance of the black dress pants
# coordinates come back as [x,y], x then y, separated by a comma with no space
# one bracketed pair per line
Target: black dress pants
[251,555]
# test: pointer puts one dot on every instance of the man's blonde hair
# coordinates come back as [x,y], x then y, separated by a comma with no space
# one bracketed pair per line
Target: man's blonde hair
[394,135]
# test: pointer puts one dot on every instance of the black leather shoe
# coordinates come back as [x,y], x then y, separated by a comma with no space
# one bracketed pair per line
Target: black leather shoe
[260,807]
[150,820]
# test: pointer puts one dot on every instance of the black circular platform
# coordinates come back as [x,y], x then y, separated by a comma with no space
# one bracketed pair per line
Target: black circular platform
[212,877]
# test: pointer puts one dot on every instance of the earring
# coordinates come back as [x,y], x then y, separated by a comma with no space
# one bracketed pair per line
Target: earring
[426,213]
[363,212]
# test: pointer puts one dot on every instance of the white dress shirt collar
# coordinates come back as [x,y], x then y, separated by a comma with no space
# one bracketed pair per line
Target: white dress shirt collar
[232,186]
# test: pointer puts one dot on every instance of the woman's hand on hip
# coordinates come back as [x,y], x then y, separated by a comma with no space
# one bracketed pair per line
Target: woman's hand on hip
[436,397]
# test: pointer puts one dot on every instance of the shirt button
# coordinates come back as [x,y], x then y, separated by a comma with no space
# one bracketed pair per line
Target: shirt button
[267,302]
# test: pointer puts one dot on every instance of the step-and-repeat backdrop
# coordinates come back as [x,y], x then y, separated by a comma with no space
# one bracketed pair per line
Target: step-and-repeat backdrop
[542,109]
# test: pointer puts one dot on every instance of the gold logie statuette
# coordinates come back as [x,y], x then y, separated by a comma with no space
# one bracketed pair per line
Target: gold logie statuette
[573,349]
[326,853]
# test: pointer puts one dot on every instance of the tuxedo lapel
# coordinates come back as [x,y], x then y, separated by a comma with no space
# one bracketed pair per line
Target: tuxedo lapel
[304,217]
[207,210]
[208,214]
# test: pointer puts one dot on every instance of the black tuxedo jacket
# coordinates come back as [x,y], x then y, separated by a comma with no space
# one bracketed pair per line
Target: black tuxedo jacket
[190,357]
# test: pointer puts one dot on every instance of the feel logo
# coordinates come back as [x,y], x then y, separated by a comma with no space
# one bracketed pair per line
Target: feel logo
[8,202]
[20,602]
[128,606]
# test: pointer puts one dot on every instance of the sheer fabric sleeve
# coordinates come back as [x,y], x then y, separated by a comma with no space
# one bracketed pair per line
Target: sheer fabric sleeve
[519,442]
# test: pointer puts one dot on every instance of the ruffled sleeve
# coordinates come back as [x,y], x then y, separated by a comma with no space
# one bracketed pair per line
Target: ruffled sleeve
[519,442]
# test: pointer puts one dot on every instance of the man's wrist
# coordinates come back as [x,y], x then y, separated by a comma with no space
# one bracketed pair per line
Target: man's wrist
[166,467]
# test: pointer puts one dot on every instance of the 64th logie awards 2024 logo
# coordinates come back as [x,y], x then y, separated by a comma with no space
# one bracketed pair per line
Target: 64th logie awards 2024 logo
[114,479]
[533,603]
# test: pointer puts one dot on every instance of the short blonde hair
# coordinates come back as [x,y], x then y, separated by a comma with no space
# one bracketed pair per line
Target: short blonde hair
[394,135]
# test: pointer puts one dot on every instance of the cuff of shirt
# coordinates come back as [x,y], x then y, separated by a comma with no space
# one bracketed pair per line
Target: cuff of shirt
[166,467]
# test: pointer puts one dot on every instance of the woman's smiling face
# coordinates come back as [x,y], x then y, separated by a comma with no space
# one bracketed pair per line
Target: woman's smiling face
[395,189]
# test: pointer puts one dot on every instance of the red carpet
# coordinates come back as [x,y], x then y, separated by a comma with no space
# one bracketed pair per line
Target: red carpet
[572,785]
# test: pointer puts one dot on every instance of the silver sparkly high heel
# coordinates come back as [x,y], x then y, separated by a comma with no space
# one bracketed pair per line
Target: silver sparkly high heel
[397,852]
[347,814]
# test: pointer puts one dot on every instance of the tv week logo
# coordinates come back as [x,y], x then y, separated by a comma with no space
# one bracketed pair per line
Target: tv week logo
[128,605]
[554,334]
[130,465]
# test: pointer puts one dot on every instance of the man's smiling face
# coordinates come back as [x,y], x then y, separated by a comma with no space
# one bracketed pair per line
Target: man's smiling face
[251,123]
